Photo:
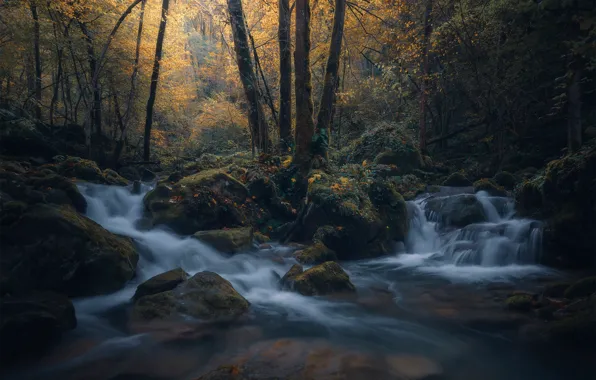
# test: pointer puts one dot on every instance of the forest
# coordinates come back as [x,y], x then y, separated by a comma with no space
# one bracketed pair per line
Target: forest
[298,189]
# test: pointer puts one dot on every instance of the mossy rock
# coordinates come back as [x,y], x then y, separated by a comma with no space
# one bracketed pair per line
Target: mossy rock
[261,238]
[286,282]
[505,179]
[161,283]
[457,180]
[55,248]
[81,169]
[113,178]
[32,324]
[207,161]
[323,279]
[520,302]
[206,295]
[556,290]
[582,288]
[528,197]
[315,254]
[208,200]
[490,187]
[387,144]
[362,228]
[231,240]
[456,211]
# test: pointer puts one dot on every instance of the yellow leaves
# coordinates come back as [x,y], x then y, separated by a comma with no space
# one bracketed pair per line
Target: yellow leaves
[293,180]
[344,181]
[314,178]
[287,162]
[364,163]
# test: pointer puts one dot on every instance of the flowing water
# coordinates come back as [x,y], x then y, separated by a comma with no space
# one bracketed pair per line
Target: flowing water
[432,298]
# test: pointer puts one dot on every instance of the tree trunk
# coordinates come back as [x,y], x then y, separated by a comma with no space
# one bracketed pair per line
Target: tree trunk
[324,116]
[94,118]
[302,84]
[256,119]
[154,79]
[574,122]
[285,77]
[424,83]
[37,55]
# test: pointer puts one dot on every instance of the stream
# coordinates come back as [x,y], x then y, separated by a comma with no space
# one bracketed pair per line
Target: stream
[439,297]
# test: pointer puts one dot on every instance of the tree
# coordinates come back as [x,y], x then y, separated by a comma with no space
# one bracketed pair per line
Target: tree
[285,77]
[330,85]
[302,84]
[424,84]
[155,79]
[256,118]
[37,55]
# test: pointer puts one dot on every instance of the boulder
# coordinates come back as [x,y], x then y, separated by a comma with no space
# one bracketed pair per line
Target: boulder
[206,295]
[386,144]
[31,187]
[55,248]
[130,173]
[208,200]
[31,324]
[455,211]
[231,240]
[87,170]
[366,220]
[490,187]
[20,136]
[315,254]
[161,283]
[582,288]
[505,179]
[457,180]
[564,196]
[520,302]
[323,279]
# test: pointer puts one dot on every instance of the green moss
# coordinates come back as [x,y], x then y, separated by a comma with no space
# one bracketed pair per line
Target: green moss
[315,254]
[582,288]
[457,180]
[231,240]
[521,302]
[326,278]
[161,283]
[490,187]
[261,238]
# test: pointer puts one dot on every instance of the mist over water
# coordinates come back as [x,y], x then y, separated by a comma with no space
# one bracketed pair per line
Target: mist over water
[501,249]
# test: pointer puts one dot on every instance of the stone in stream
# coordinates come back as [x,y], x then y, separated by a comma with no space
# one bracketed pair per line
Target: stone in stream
[161,283]
[206,295]
[323,279]
[318,359]
[29,325]
[456,211]
[231,240]
[55,248]
[315,254]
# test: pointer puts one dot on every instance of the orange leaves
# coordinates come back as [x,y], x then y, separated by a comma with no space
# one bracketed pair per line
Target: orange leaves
[176,199]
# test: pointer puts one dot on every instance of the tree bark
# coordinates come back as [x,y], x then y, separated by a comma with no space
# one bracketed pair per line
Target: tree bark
[154,79]
[37,56]
[324,116]
[285,77]
[425,68]
[302,84]
[94,118]
[574,122]
[256,119]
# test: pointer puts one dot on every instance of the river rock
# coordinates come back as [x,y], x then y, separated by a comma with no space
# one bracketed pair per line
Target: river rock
[323,279]
[582,288]
[206,295]
[366,221]
[87,170]
[456,211]
[161,283]
[38,186]
[564,195]
[315,254]
[30,325]
[490,187]
[318,359]
[203,201]
[230,241]
[55,248]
